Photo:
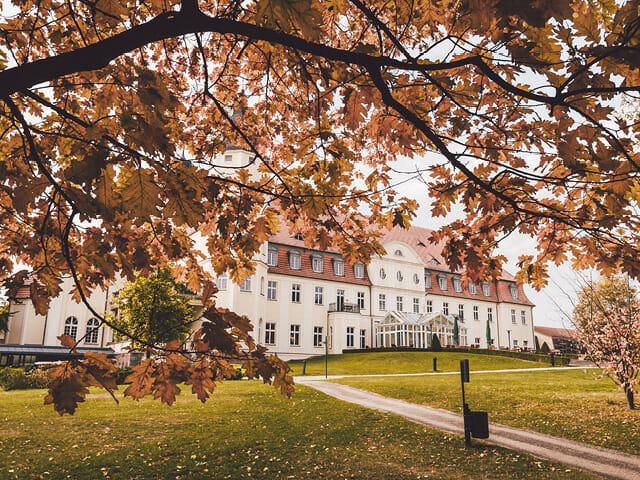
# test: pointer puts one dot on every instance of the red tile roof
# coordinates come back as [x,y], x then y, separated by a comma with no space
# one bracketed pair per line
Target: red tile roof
[557,332]
[306,269]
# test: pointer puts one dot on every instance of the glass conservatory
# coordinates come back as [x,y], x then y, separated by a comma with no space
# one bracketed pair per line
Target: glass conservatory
[415,330]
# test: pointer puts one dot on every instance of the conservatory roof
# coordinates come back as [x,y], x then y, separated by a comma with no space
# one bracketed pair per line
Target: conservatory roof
[407,318]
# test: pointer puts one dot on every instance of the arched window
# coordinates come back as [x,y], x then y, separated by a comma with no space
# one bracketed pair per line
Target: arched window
[92,331]
[383,275]
[399,276]
[71,327]
[261,287]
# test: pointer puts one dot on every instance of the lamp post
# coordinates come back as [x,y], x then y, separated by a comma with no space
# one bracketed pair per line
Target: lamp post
[509,338]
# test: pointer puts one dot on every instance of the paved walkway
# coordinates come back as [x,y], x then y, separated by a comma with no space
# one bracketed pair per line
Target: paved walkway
[609,463]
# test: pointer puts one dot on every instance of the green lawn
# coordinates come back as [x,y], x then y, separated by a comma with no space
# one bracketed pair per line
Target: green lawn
[247,431]
[406,362]
[569,403]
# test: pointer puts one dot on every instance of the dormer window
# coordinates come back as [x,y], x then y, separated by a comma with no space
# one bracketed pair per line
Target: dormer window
[457,285]
[513,289]
[434,261]
[272,257]
[399,276]
[317,264]
[398,253]
[358,270]
[298,236]
[486,289]
[294,260]
[338,267]
[442,282]
[416,279]
[472,288]
[427,279]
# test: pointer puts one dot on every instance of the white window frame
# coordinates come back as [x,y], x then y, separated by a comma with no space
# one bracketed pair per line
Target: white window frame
[490,314]
[318,296]
[399,303]
[445,308]
[358,270]
[523,317]
[351,334]
[222,282]
[318,338]
[363,338]
[272,257]
[427,279]
[295,260]
[461,312]
[338,267]
[272,290]
[360,300]
[486,289]
[429,306]
[457,285]
[513,289]
[245,286]
[317,263]
[71,327]
[296,293]
[269,333]
[93,330]
[513,316]
[476,313]
[294,335]
[382,302]
[472,288]
[416,305]
[442,282]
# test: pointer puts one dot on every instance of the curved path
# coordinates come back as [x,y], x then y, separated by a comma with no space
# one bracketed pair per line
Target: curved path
[609,463]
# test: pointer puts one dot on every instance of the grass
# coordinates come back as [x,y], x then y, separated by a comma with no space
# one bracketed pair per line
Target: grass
[569,403]
[406,362]
[247,431]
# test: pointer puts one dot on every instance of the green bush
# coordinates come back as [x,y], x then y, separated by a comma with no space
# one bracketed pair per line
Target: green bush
[18,379]
[122,374]
[435,343]
[545,348]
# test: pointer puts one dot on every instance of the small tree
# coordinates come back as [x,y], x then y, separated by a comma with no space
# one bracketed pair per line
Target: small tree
[607,316]
[153,309]
[4,317]
[435,343]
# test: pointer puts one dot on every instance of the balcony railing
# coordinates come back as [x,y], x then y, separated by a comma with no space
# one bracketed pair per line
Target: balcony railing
[344,307]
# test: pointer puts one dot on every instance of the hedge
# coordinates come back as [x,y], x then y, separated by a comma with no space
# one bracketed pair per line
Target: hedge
[533,357]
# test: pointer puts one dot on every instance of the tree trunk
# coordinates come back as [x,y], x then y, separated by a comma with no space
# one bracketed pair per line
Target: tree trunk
[629,393]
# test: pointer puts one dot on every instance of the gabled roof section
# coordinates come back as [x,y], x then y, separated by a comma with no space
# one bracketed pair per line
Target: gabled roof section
[557,332]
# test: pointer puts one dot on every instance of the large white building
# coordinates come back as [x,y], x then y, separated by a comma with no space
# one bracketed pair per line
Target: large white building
[298,298]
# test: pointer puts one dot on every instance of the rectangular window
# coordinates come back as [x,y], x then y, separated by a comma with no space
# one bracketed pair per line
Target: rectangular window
[222,282]
[490,314]
[318,297]
[382,302]
[317,337]
[477,342]
[476,314]
[523,317]
[245,286]
[486,289]
[416,305]
[525,343]
[442,282]
[340,300]
[350,336]
[338,268]
[427,279]
[363,338]
[429,306]
[294,260]
[472,288]
[358,270]
[272,290]
[445,308]
[457,285]
[461,312]
[294,338]
[399,304]
[361,300]
[316,263]
[272,258]
[515,343]
[295,292]
[513,316]
[270,333]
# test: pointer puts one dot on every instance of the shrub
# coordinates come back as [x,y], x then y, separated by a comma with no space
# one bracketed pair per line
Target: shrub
[122,374]
[435,343]
[545,348]
[18,379]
